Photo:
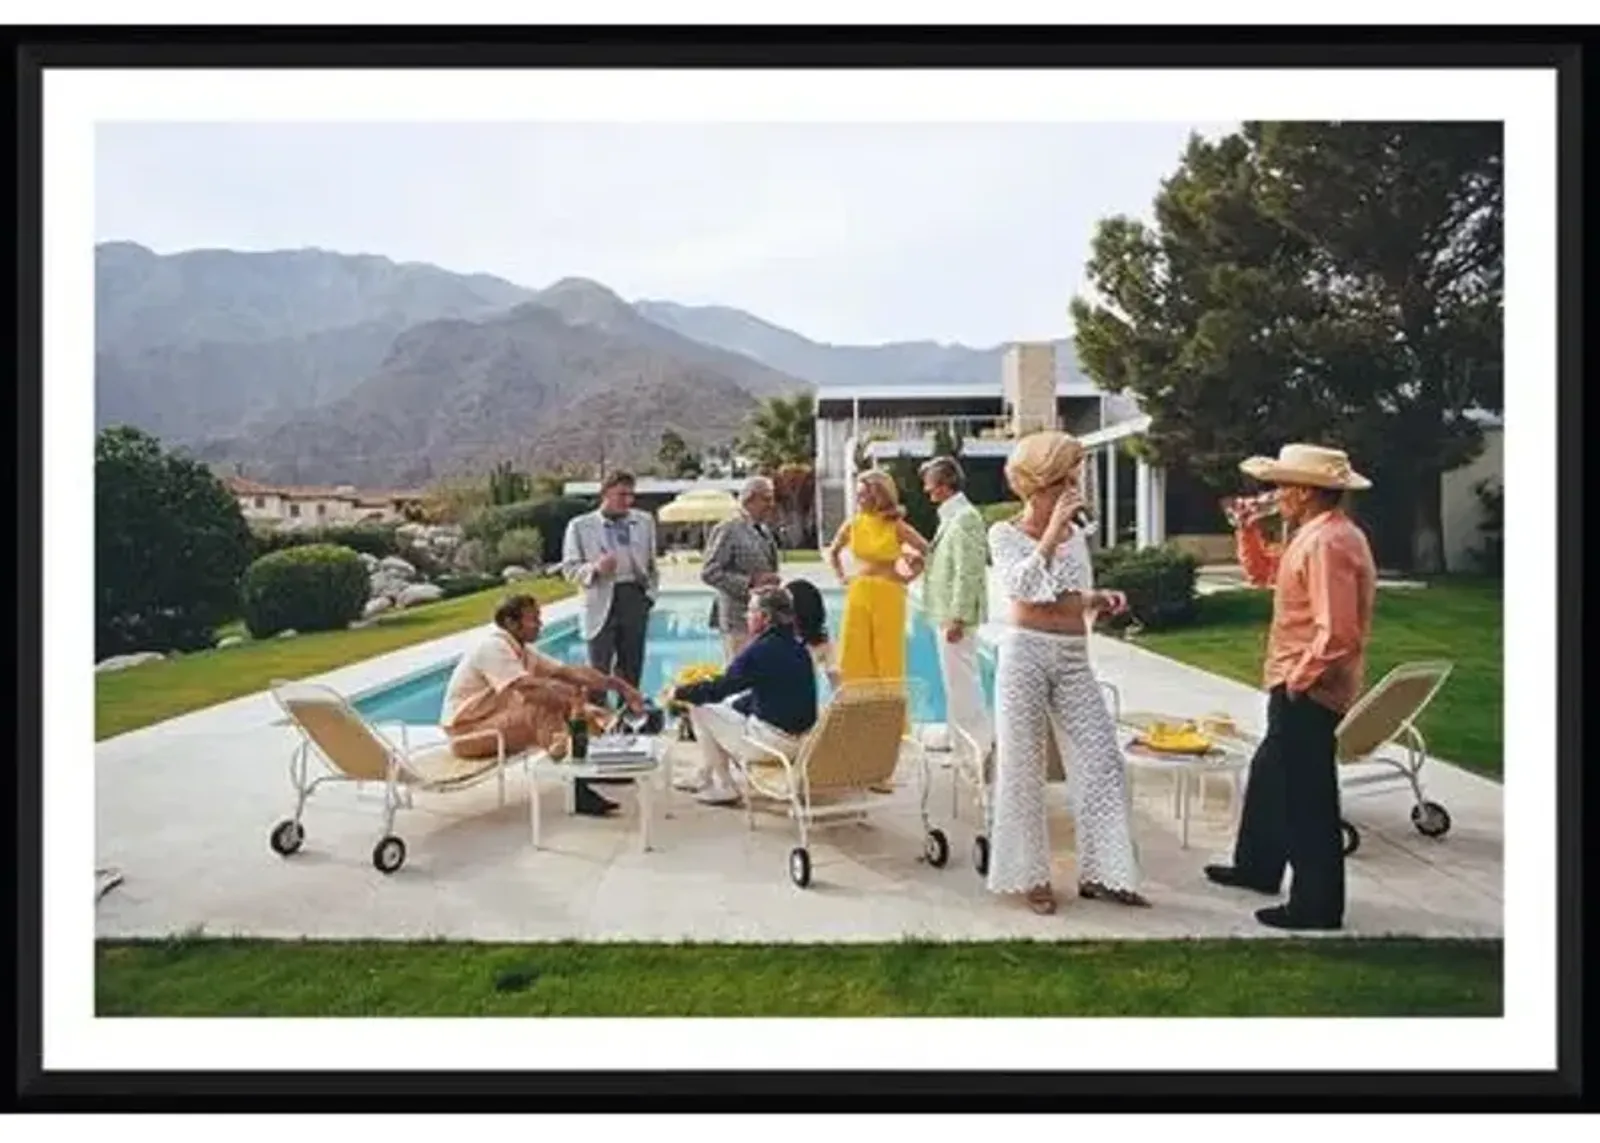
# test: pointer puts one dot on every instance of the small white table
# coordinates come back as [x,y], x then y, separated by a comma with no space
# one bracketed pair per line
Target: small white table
[569,770]
[1230,759]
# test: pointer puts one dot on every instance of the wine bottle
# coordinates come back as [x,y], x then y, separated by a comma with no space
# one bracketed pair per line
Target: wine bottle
[578,728]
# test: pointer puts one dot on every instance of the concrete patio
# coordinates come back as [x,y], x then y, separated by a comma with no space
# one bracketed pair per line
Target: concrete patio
[184,808]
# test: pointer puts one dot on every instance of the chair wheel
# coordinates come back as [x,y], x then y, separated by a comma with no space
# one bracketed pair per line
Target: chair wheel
[800,867]
[287,837]
[389,854]
[936,848]
[1352,839]
[980,855]
[1431,819]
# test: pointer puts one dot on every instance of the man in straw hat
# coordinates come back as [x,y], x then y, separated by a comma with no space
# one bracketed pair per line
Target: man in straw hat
[1324,584]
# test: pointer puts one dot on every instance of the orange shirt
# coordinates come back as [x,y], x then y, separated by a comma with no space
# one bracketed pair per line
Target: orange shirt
[1325,583]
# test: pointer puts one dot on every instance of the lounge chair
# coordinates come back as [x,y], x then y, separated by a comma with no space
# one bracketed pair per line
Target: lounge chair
[978,782]
[353,750]
[1387,715]
[854,747]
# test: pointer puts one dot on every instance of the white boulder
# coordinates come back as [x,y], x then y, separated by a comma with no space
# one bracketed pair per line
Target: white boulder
[420,593]
[229,641]
[515,572]
[123,662]
[287,633]
[376,605]
[397,567]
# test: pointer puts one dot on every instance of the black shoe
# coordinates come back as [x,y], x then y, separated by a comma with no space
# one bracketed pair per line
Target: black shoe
[1233,879]
[1281,917]
[608,781]
[588,802]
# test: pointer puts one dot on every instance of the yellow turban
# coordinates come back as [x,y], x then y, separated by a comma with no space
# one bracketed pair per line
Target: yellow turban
[1041,460]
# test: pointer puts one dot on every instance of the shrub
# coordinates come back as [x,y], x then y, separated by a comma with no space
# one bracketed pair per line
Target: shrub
[549,516]
[1159,583]
[170,545]
[1491,554]
[309,587]
[374,539]
[521,546]
[1004,510]
[466,583]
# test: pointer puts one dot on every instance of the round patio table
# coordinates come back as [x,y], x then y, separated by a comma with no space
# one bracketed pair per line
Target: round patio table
[1229,758]
[635,772]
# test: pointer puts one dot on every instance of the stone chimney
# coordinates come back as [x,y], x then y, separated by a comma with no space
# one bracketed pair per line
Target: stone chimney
[1029,386]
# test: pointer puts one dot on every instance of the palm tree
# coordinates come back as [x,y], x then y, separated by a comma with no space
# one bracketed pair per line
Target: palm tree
[782,441]
[782,431]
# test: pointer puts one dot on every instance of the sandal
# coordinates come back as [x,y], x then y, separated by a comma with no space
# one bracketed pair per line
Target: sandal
[1041,899]
[1094,891]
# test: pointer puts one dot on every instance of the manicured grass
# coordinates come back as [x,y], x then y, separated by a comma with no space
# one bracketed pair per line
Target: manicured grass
[1456,619]
[139,696]
[199,977]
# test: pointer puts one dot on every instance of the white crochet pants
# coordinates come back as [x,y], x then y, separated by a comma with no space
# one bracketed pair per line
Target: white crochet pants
[1040,678]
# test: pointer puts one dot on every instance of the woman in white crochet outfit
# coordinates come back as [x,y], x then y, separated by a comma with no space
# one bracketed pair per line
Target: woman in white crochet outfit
[1042,560]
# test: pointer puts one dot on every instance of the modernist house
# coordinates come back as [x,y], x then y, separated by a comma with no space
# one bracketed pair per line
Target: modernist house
[1137,503]
[859,424]
[292,506]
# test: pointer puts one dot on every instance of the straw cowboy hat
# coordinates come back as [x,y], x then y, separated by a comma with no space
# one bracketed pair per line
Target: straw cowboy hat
[1306,464]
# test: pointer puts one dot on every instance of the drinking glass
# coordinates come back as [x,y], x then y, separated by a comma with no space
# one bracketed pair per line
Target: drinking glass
[1241,510]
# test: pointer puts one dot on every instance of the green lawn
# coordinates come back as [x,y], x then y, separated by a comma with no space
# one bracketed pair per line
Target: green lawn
[138,696]
[200,977]
[1456,619]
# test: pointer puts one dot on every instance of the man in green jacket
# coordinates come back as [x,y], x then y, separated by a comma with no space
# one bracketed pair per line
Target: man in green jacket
[954,593]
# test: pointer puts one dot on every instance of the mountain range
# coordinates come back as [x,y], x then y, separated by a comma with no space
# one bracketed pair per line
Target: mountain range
[310,366]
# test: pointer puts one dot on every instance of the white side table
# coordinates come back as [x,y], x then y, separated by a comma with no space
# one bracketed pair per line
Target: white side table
[1228,760]
[541,765]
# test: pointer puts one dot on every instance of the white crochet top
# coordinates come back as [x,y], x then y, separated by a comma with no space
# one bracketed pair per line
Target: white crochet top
[1022,572]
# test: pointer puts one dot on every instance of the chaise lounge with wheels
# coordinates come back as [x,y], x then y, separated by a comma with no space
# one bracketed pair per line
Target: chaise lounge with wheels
[1387,716]
[831,774]
[351,749]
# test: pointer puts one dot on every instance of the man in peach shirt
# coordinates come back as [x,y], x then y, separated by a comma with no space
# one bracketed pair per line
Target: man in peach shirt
[1324,583]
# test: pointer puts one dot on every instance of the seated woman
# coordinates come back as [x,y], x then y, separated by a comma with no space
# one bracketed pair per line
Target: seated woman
[811,624]
[504,685]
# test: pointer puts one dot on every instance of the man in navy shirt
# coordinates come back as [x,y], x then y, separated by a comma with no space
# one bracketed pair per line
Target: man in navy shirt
[768,693]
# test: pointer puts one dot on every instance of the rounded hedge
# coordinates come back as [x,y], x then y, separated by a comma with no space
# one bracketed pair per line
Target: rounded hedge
[1160,583]
[312,587]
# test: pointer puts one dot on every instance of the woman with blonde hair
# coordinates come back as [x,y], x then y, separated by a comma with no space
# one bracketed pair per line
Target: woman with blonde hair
[872,632]
[1041,559]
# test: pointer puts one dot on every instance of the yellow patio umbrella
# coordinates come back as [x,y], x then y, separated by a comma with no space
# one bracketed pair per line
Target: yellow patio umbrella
[699,506]
[703,506]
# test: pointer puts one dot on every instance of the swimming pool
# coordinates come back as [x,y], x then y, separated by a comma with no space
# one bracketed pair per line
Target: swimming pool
[680,634]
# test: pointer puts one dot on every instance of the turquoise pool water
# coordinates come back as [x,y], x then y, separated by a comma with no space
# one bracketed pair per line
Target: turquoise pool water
[680,634]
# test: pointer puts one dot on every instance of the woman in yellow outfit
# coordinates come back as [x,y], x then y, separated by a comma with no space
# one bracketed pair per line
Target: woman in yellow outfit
[872,633]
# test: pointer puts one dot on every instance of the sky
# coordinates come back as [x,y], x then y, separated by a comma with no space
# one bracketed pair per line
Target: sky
[846,233]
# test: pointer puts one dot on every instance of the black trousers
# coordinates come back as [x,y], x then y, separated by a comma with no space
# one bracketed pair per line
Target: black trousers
[1291,810]
[618,647]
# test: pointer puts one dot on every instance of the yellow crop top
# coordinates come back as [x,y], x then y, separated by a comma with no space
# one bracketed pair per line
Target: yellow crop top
[874,539]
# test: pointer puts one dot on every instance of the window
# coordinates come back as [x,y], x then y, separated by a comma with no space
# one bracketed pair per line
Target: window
[261,501]
[294,509]
[322,509]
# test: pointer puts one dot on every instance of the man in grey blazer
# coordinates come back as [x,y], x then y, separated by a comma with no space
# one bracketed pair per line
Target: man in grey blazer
[741,556]
[611,554]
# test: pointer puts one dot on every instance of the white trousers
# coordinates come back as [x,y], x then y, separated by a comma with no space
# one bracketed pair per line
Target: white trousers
[721,732]
[964,707]
[1041,678]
